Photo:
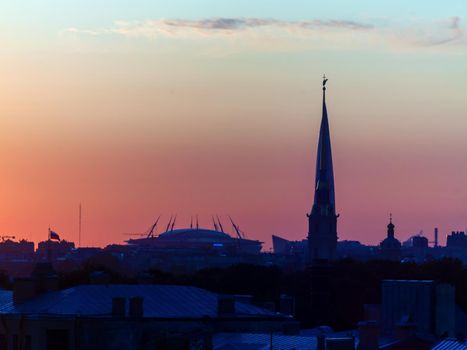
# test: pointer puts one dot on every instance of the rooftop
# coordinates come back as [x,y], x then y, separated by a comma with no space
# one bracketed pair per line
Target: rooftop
[160,301]
[451,344]
[253,341]
[194,232]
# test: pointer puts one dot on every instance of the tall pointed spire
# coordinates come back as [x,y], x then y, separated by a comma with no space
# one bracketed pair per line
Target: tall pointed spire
[324,179]
[322,234]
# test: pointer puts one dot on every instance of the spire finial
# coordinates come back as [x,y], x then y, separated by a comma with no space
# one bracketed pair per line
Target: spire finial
[324,82]
[390,218]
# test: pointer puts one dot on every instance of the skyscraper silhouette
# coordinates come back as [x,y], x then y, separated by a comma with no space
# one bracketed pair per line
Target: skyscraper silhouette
[322,221]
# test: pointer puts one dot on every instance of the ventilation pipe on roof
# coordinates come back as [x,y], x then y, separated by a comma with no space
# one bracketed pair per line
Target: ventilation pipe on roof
[136,308]
[118,306]
[320,342]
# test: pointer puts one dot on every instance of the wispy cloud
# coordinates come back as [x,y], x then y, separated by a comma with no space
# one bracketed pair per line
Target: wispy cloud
[397,33]
[217,26]
[231,24]
[447,31]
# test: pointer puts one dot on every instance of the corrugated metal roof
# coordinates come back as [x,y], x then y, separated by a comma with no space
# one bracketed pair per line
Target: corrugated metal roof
[162,301]
[252,341]
[451,344]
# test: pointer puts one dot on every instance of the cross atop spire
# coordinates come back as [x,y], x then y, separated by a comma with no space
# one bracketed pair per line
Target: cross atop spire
[324,82]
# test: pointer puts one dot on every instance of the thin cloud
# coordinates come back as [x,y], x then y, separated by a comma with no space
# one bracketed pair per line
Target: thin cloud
[217,26]
[409,33]
[244,23]
[451,32]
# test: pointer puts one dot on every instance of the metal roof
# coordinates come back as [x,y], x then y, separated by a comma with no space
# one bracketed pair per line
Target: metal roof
[160,301]
[195,232]
[451,344]
[252,341]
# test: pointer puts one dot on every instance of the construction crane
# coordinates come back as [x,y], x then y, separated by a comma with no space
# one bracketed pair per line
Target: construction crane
[134,234]
[149,232]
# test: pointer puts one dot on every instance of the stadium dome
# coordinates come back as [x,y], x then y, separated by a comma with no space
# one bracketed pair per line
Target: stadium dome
[194,233]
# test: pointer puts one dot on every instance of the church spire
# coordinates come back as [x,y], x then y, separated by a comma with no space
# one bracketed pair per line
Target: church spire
[324,180]
[322,221]
[390,227]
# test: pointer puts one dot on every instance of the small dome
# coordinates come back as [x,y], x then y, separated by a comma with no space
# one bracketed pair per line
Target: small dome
[390,242]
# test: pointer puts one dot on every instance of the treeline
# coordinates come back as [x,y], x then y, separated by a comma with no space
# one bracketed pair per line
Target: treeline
[348,286]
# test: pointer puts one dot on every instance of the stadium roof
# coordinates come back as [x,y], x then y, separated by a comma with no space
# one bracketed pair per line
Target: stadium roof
[194,233]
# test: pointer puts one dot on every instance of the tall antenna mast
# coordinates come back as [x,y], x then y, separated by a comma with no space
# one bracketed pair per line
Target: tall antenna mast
[79,226]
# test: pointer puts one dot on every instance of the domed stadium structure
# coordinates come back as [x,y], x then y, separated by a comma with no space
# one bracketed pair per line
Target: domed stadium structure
[202,240]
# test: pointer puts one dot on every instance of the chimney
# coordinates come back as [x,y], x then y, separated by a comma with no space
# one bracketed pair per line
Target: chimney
[225,305]
[369,335]
[321,342]
[286,305]
[136,308]
[118,306]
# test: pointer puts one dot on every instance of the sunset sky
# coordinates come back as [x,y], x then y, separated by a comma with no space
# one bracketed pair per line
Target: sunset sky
[144,108]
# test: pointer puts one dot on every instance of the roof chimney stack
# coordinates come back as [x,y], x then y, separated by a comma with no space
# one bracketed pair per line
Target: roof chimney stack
[136,308]
[118,306]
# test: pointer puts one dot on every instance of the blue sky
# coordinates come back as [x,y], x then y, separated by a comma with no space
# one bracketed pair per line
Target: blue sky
[94,13]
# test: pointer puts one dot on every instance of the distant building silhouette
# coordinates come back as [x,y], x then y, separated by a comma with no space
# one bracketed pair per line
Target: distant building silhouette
[56,249]
[457,240]
[322,221]
[390,246]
